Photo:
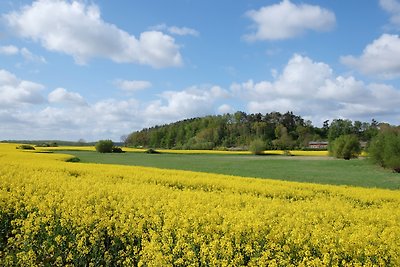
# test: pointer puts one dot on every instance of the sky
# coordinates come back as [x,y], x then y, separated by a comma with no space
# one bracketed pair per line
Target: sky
[99,69]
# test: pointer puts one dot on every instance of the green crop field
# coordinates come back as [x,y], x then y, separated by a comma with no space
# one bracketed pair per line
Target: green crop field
[323,170]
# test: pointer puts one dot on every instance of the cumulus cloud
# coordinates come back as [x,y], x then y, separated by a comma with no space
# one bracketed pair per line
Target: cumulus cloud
[176,30]
[14,91]
[287,20]
[108,118]
[192,102]
[299,73]
[305,86]
[78,30]
[61,95]
[381,58]
[132,85]
[313,90]
[393,8]
[225,108]
[66,115]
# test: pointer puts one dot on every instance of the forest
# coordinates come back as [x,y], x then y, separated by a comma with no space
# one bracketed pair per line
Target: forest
[237,130]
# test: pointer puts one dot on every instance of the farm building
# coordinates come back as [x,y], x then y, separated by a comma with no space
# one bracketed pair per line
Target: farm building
[318,144]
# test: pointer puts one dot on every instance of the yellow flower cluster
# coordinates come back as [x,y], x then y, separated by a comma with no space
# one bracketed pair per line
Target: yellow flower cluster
[55,213]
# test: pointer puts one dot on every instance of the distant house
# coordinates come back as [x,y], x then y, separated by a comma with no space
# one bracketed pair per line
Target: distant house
[318,144]
[363,144]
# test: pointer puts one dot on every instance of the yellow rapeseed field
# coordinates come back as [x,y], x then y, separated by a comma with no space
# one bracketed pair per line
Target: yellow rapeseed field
[55,213]
[178,151]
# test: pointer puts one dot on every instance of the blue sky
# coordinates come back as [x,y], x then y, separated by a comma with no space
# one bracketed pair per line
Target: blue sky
[101,69]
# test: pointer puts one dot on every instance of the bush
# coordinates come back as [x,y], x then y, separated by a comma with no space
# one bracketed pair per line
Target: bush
[152,151]
[346,147]
[104,146]
[385,149]
[52,144]
[257,147]
[117,150]
[287,153]
[26,147]
[74,159]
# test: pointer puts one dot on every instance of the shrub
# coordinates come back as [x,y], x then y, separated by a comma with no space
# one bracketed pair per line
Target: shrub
[104,146]
[257,147]
[43,145]
[117,150]
[385,149]
[26,147]
[74,159]
[152,151]
[346,147]
[287,153]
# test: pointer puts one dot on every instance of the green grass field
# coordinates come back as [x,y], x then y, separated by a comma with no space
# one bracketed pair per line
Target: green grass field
[323,170]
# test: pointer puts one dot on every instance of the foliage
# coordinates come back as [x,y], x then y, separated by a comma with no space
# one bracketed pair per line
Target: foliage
[48,144]
[287,153]
[346,147]
[73,159]
[257,147]
[104,146]
[277,130]
[340,127]
[152,151]
[385,148]
[55,213]
[116,149]
[25,147]
[283,139]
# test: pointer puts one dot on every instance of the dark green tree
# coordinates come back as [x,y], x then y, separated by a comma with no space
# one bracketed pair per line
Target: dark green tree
[385,148]
[257,146]
[104,146]
[346,147]
[340,127]
[277,130]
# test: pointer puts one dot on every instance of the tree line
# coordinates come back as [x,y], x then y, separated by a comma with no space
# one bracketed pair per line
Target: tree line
[236,131]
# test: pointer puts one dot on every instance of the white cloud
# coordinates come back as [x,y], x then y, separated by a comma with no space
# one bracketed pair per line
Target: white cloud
[225,108]
[107,118]
[132,85]
[29,56]
[320,96]
[312,90]
[61,95]
[183,31]
[287,20]
[278,104]
[191,102]
[380,58]
[175,30]
[9,50]
[341,89]
[78,30]
[158,50]
[14,92]
[301,72]
[393,8]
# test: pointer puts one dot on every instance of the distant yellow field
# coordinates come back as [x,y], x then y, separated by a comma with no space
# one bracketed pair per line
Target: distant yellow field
[178,151]
[70,214]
